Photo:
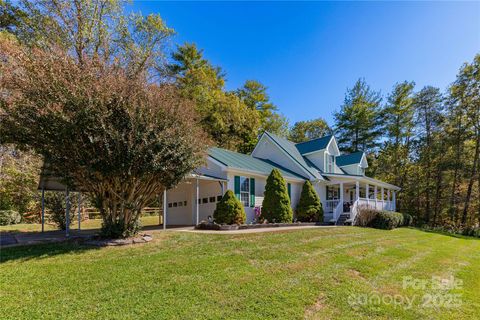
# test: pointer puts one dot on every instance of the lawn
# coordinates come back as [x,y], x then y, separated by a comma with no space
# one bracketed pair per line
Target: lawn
[319,273]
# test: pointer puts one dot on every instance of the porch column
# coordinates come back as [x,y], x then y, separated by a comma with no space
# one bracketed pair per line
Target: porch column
[341,195]
[43,209]
[383,193]
[165,209]
[388,200]
[197,207]
[67,212]
[367,191]
[375,196]
[394,202]
[221,186]
[357,190]
[79,210]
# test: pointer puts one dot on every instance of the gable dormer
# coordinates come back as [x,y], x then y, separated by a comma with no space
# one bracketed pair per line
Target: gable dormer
[353,163]
[322,152]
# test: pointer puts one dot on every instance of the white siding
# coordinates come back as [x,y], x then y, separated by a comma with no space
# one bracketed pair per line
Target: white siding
[260,182]
[353,169]
[212,169]
[266,149]
[318,159]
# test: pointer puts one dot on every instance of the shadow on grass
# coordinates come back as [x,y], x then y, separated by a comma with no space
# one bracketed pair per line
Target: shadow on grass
[44,250]
[446,233]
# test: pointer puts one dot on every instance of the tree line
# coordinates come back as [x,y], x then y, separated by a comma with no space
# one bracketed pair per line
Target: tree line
[422,139]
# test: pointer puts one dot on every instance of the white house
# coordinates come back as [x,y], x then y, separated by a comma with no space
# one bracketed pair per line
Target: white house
[339,180]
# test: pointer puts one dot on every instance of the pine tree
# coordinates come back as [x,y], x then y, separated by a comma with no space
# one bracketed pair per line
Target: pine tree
[230,123]
[357,123]
[428,115]
[254,95]
[309,207]
[397,121]
[276,202]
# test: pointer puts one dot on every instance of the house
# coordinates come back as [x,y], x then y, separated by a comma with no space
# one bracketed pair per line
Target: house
[339,180]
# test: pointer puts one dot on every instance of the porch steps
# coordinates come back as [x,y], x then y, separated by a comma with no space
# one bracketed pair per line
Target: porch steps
[343,217]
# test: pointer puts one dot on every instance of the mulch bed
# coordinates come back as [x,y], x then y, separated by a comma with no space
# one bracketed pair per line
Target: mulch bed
[99,242]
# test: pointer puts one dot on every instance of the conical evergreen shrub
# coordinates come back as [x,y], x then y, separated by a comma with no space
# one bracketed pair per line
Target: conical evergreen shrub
[309,207]
[276,202]
[229,210]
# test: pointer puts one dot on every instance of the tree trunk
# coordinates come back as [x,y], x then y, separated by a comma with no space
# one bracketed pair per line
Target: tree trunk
[473,176]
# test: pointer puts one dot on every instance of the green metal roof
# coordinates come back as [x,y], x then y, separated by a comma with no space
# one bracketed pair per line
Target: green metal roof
[247,162]
[348,159]
[290,148]
[313,145]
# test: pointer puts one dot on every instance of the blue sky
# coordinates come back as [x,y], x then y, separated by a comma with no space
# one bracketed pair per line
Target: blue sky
[309,53]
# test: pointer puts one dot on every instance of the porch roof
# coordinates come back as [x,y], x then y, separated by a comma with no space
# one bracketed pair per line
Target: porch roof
[354,178]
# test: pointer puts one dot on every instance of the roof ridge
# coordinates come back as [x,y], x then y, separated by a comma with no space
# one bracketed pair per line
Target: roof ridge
[315,139]
[275,137]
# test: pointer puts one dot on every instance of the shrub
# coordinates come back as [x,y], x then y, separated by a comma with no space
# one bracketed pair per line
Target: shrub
[365,216]
[309,208]
[276,202]
[229,210]
[407,219]
[8,217]
[387,220]
[56,205]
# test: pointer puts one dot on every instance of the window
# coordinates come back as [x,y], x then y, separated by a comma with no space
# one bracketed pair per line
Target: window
[170,205]
[205,200]
[212,199]
[245,191]
[219,198]
[180,204]
[330,163]
[175,204]
[184,203]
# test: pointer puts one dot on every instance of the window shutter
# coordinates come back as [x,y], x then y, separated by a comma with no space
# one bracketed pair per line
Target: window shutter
[289,189]
[252,192]
[237,187]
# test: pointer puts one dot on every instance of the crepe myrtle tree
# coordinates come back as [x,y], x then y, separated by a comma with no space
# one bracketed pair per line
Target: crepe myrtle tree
[100,129]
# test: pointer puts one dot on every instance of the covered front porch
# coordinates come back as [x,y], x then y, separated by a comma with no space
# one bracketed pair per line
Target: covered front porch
[345,194]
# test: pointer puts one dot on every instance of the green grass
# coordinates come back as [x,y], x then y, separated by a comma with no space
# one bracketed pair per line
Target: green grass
[276,275]
[88,224]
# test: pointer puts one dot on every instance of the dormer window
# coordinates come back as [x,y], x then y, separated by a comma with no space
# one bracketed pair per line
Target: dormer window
[330,163]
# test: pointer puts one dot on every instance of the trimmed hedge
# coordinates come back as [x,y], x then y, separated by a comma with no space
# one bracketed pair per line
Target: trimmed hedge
[229,210]
[387,220]
[8,217]
[276,202]
[309,207]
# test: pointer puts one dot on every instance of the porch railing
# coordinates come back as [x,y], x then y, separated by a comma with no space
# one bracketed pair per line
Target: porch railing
[376,204]
[331,205]
[338,211]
